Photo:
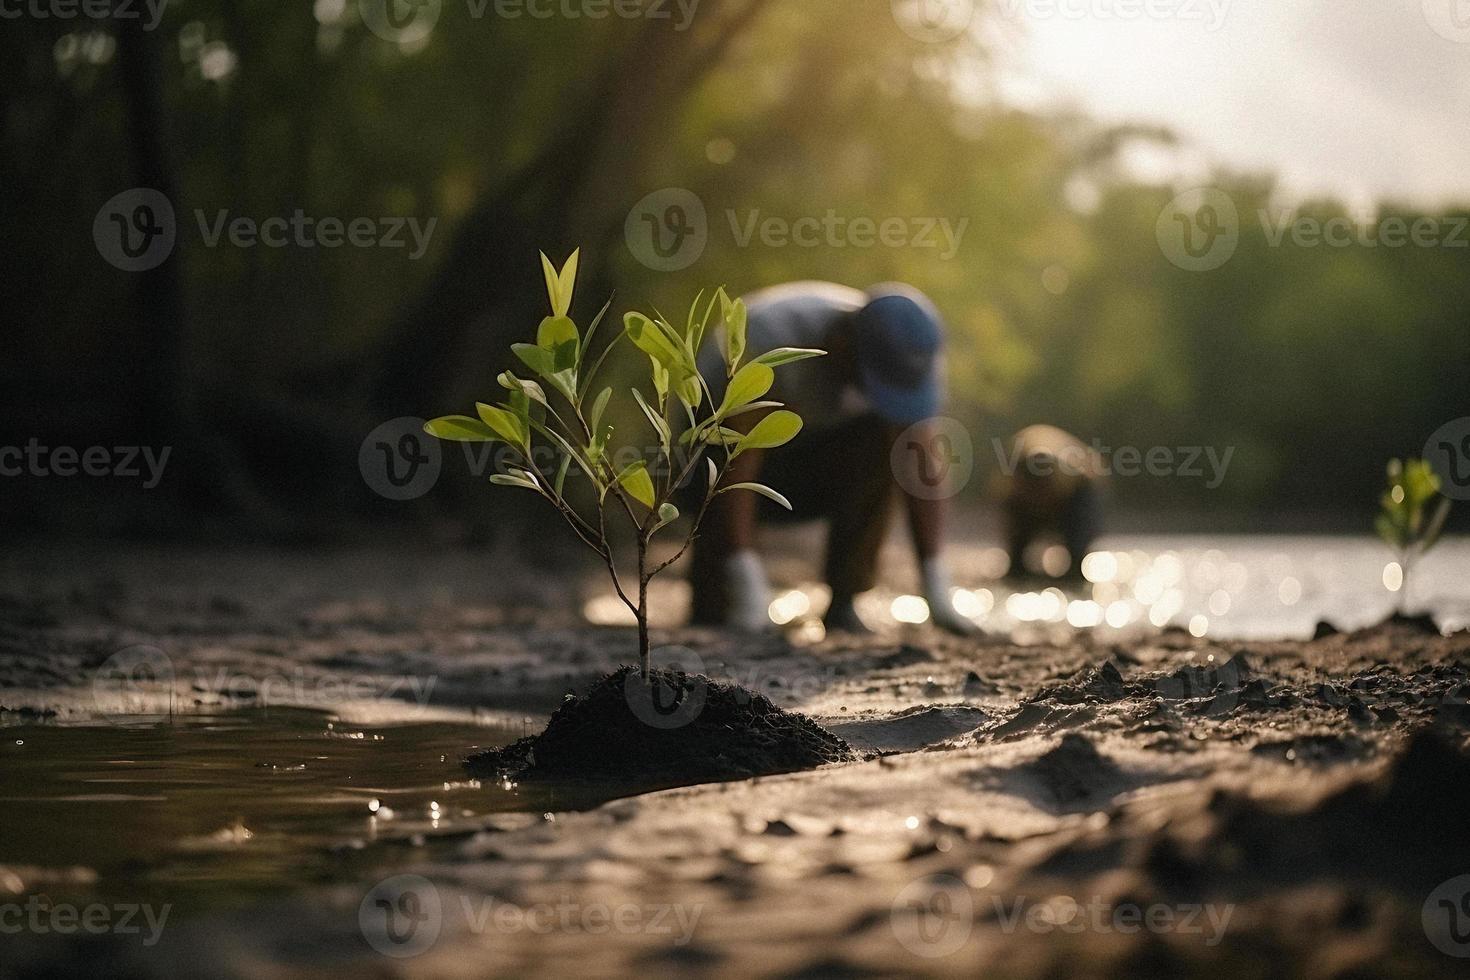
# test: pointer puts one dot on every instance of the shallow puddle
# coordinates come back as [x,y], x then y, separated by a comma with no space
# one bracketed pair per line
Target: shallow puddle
[223,807]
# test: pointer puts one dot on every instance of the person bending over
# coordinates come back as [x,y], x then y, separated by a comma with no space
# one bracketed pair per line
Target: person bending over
[883,373]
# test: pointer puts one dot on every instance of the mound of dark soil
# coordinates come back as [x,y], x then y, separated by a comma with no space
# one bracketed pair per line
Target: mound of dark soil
[1075,772]
[631,734]
[1404,828]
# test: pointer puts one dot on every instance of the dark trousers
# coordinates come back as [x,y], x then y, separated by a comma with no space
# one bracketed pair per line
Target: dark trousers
[841,474]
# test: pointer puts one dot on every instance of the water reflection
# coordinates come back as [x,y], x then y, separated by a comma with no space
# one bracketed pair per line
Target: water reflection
[1245,586]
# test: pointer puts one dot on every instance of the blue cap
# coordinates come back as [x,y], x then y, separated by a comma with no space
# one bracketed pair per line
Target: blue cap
[897,340]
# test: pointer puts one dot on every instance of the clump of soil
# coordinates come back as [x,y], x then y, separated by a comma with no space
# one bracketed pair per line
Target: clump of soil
[632,734]
[1074,772]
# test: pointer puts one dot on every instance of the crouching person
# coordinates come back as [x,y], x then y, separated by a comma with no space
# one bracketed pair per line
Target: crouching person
[882,374]
[1055,488]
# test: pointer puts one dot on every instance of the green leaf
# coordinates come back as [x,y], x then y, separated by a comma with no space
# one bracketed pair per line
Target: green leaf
[598,407]
[460,428]
[752,407]
[635,479]
[722,435]
[656,420]
[787,355]
[567,281]
[518,478]
[564,361]
[569,451]
[694,335]
[651,340]
[749,383]
[714,472]
[507,424]
[660,379]
[538,359]
[561,473]
[776,429]
[732,338]
[555,331]
[596,322]
[553,283]
[559,286]
[530,389]
[667,514]
[690,392]
[545,364]
[761,489]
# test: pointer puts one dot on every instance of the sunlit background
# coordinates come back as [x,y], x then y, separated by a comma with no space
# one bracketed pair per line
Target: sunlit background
[1028,158]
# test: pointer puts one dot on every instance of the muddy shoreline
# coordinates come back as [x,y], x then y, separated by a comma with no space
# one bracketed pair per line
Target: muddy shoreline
[1159,804]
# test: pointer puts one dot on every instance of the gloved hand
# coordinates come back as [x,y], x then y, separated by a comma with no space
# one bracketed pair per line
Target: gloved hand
[747,592]
[936,587]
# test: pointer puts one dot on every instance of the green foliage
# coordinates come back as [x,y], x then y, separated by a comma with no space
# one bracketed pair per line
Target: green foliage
[1410,518]
[1411,512]
[572,424]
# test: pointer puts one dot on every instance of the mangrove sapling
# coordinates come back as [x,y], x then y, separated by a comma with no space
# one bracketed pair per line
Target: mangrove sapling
[557,412]
[1410,519]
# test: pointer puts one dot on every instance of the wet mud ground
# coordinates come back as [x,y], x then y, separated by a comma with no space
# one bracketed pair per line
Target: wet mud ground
[265,743]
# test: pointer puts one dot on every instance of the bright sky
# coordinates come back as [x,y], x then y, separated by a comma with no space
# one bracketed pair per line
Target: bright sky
[1359,98]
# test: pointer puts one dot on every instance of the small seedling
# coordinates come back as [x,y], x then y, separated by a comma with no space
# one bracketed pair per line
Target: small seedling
[1410,519]
[557,413]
